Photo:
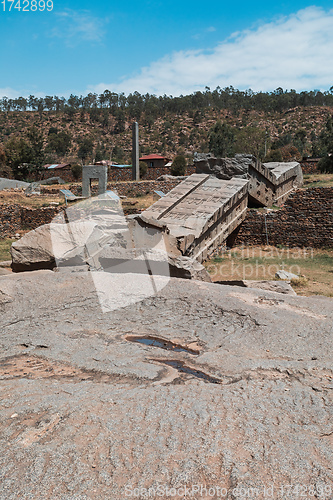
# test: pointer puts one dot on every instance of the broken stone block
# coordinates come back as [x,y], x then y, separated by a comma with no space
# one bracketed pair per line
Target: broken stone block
[284,275]
[269,183]
[33,251]
[199,213]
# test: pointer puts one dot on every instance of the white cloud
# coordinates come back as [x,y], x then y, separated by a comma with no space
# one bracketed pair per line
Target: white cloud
[203,34]
[76,26]
[291,52]
[9,92]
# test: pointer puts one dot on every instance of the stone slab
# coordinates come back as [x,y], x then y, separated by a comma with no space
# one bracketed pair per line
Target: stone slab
[12,183]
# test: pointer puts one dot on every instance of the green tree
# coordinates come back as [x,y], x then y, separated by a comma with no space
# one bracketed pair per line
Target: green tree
[118,154]
[86,148]
[326,138]
[250,140]
[326,164]
[25,155]
[221,140]
[178,166]
[5,170]
[36,141]
[290,153]
[18,157]
[143,168]
[76,171]
[300,140]
[99,153]
[2,157]
[59,142]
[273,155]
[120,121]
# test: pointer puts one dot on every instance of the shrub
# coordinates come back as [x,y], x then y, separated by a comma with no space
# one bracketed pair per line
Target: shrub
[273,155]
[178,166]
[143,168]
[76,171]
[326,164]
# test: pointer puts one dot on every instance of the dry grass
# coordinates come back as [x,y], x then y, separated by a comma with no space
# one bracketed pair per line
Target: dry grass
[314,266]
[318,180]
[4,249]
[137,202]
[33,201]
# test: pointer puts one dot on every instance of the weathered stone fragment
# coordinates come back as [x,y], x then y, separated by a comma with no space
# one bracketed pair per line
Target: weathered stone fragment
[285,275]
[102,244]
[270,285]
[33,251]
[12,184]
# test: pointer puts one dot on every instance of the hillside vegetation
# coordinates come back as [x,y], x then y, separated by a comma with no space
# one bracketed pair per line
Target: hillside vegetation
[282,125]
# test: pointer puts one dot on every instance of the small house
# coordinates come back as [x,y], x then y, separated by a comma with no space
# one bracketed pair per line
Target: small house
[155,161]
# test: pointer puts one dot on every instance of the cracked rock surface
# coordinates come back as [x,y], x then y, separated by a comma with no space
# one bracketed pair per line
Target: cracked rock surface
[200,384]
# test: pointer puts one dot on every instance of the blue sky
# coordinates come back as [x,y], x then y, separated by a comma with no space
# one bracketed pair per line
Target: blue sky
[168,46]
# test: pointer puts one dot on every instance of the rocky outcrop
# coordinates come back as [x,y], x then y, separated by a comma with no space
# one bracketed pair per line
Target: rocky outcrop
[199,385]
[223,168]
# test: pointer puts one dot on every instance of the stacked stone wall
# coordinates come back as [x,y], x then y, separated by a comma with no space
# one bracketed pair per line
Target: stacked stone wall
[34,217]
[129,188]
[64,173]
[125,174]
[10,220]
[114,174]
[310,167]
[305,220]
[15,218]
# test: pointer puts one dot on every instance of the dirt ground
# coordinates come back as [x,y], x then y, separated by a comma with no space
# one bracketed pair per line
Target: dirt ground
[18,197]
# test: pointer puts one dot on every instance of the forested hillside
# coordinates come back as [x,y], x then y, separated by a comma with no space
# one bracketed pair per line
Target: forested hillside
[281,125]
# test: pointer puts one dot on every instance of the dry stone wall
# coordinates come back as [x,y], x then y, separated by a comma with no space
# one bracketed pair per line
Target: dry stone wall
[125,174]
[15,218]
[306,220]
[310,166]
[127,188]
[10,220]
[114,174]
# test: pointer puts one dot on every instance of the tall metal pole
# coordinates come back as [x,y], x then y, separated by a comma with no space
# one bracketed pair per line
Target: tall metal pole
[135,152]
